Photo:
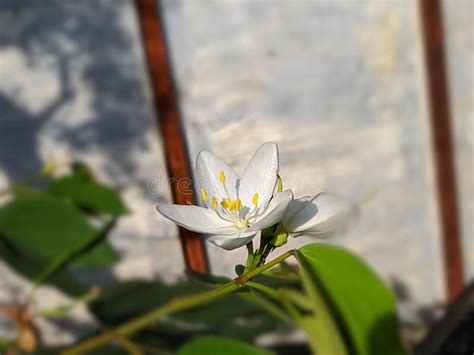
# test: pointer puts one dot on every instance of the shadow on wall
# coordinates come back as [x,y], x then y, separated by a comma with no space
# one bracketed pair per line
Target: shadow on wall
[92,56]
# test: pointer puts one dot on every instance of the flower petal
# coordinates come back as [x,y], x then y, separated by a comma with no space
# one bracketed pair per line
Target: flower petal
[260,175]
[274,212]
[322,216]
[208,171]
[232,242]
[294,207]
[198,219]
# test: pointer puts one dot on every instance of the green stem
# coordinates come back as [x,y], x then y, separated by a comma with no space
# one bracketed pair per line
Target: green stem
[264,289]
[250,248]
[270,307]
[276,296]
[268,249]
[324,336]
[176,305]
[258,258]
[250,257]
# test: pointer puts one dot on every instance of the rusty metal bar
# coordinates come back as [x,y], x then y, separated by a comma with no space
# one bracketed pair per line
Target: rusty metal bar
[168,119]
[438,99]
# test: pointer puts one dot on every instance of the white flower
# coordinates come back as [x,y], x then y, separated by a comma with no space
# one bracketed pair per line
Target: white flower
[233,209]
[321,216]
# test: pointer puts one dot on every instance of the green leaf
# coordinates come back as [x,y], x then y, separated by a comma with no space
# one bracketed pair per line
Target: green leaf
[47,227]
[89,194]
[364,307]
[219,345]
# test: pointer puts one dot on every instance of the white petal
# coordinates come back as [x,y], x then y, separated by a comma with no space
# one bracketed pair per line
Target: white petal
[322,216]
[274,212]
[208,169]
[294,207]
[232,242]
[260,175]
[198,219]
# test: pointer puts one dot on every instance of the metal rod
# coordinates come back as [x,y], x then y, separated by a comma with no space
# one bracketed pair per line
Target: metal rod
[168,119]
[442,143]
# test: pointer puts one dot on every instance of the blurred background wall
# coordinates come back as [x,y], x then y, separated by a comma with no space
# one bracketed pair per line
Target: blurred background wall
[459,25]
[338,84]
[74,86]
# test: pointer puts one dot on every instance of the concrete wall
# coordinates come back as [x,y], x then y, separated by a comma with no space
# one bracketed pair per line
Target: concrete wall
[73,85]
[339,86]
[459,25]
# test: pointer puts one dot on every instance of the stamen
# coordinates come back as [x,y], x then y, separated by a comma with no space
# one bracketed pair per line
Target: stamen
[255,199]
[222,176]
[214,202]
[237,205]
[226,203]
[203,195]
[230,205]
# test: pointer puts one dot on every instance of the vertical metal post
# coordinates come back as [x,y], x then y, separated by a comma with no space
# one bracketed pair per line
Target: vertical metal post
[168,119]
[438,99]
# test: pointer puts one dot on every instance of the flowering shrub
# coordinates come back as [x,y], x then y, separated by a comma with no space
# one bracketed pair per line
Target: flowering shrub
[332,295]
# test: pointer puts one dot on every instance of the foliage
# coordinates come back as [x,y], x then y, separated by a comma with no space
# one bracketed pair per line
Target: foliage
[56,226]
[233,315]
[50,220]
[219,345]
[363,306]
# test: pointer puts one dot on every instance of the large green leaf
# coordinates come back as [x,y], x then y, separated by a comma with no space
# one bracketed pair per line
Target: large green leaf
[48,227]
[219,345]
[361,303]
[89,194]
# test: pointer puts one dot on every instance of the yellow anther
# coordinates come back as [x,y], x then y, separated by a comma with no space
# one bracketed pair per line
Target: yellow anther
[214,202]
[255,199]
[226,203]
[237,205]
[222,176]
[203,194]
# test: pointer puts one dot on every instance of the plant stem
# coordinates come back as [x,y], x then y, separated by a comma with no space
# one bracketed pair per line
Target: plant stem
[136,324]
[324,336]
[264,289]
[277,297]
[129,346]
[250,248]
[250,256]
[268,249]
[270,307]
[176,305]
